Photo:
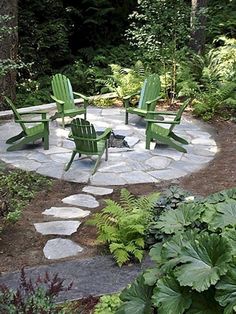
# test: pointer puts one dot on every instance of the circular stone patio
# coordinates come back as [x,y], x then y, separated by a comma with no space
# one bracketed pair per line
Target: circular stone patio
[124,165]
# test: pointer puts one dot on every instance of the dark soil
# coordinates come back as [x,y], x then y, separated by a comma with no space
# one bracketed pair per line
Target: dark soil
[21,246]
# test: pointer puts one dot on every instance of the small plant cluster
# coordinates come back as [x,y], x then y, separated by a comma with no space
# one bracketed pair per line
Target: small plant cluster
[32,298]
[17,188]
[195,261]
[122,226]
[108,304]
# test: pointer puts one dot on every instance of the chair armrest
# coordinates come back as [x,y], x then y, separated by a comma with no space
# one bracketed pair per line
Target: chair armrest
[163,122]
[105,134]
[149,102]
[32,112]
[131,95]
[32,121]
[61,102]
[81,95]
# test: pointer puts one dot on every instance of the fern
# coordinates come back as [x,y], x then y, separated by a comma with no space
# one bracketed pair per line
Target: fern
[123,226]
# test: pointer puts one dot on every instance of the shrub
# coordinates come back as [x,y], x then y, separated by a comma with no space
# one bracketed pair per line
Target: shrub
[17,188]
[108,304]
[30,298]
[122,226]
[195,265]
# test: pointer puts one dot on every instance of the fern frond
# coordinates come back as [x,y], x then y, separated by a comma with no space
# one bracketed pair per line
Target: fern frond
[127,200]
[121,256]
[138,254]
[139,242]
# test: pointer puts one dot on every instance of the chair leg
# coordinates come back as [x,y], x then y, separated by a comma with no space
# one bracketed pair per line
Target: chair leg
[97,163]
[46,137]
[63,121]
[106,156]
[148,142]
[71,160]
[85,115]
[15,138]
[126,117]
[178,138]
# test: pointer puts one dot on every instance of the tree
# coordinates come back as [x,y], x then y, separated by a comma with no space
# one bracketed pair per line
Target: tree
[198,25]
[8,48]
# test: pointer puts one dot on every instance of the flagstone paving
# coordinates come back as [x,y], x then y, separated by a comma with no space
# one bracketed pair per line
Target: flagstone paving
[82,200]
[125,165]
[66,212]
[61,248]
[66,227]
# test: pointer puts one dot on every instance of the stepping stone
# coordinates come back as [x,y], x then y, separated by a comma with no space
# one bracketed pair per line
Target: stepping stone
[61,248]
[66,212]
[81,200]
[57,227]
[96,190]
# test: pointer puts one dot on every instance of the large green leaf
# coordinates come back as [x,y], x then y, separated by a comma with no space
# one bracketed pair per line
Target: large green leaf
[172,221]
[225,215]
[137,298]
[169,297]
[221,196]
[226,292]
[206,260]
[230,235]
[204,303]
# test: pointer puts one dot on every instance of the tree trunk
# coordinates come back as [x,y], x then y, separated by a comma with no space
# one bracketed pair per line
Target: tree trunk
[8,49]
[198,24]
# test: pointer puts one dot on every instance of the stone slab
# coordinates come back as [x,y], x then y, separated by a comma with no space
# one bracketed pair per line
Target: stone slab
[97,190]
[82,200]
[66,212]
[158,162]
[57,227]
[86,275]
[131,140]
[168,174]
[137,177]
[104,179]
[61,248]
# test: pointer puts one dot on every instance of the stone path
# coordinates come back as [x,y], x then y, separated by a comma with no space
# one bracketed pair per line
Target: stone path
[125,165]
[59,247]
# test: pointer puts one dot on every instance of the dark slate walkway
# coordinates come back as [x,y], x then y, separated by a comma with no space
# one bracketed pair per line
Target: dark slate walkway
[96,276]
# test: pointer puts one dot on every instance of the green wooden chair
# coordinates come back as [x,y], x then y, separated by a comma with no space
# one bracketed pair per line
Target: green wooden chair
[64,98]
[150,93]
[87,141]
[29,134]
[165,135]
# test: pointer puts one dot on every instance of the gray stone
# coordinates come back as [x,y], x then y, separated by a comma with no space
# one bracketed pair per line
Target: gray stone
[124,132]
[96,190]
[55,150]
[76,175]
[131,140]
[158,162]
[57,227]
[51,169]
[102,178]
[82,200]
[167,152]
[137,177]
[114,167]
[203,141]
[30,165]
[61,158]
[39,157]
[186,165]
[196,158]
[66,212]
[61,248]
[168,174]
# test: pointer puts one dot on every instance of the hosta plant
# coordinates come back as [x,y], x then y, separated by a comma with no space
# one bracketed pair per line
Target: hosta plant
[195,264]
[122,226]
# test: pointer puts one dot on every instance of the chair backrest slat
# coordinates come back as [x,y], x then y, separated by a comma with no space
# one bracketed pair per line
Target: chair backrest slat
[150,90]
[85,132]
[62,90]
[17,116]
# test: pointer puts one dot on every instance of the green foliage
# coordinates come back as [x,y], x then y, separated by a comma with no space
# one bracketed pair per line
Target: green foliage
[108,304]
[169,200]
[122,226]
[125,81]
[17,188]
[32,297]
[195,266]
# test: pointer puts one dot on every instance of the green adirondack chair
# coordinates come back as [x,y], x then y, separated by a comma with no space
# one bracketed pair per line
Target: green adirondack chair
[165,135]
[29,134]
[150,93]
[87,141]
[64,98]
